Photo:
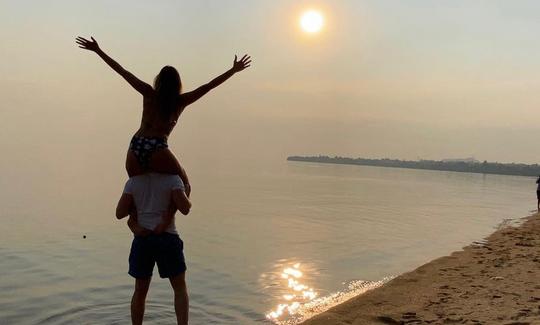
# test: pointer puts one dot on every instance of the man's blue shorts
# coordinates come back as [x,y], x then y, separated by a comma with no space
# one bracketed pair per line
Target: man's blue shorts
[165,250]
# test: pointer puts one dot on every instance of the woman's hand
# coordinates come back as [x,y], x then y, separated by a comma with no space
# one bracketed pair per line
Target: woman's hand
[88,45]
[244,62]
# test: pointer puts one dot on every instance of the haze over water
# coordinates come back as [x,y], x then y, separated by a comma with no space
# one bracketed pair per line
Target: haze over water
[450,79]
[249,223]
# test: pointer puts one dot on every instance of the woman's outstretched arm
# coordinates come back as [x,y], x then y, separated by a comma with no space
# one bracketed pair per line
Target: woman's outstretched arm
[142,87]
[193,96]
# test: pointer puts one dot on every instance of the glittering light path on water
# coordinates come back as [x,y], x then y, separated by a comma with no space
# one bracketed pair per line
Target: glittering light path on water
[301,302]
[299,294]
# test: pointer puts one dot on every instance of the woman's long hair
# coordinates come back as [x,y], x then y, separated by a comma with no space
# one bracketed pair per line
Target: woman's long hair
[168,86]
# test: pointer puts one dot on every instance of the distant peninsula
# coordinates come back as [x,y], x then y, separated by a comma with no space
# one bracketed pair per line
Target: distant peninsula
[468,165]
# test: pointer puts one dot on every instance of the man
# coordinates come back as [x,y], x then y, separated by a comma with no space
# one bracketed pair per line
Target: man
[155,198]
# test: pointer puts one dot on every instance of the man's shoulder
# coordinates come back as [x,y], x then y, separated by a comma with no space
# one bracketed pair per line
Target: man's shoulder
[137,179]
[169,181]
[153,176]
[156,180]
[163,177]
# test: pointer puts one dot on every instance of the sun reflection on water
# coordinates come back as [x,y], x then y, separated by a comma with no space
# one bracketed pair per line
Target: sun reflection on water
[299,302]
[299,293]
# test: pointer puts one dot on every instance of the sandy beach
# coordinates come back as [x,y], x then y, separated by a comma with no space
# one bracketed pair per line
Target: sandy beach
[496,281]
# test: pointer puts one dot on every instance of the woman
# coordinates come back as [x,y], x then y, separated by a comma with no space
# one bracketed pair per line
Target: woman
[162,106]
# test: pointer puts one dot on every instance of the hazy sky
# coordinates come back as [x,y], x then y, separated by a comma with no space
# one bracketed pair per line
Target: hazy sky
[398,79]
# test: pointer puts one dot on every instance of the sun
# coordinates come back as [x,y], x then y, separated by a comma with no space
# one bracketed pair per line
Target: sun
[311,21]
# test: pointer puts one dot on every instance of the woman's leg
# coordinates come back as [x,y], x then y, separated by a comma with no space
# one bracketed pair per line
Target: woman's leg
[133,167]
[164,161]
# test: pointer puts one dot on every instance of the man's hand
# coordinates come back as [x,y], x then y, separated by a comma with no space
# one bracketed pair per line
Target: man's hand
[160,228]
[136,229]
[166,219]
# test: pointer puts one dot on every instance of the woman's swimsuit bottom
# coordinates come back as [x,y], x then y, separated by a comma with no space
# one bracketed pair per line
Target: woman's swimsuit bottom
[144,147]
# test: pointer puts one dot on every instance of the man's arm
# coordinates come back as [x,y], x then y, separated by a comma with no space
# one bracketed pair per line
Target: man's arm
[134,226]
[124,206]
[181,201]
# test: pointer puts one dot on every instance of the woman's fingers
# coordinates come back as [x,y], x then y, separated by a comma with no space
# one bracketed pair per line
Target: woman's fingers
[86,44]
[245,59]
[245,62]
[83,41]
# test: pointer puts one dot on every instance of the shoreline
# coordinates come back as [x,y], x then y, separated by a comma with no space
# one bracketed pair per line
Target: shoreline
[495,281]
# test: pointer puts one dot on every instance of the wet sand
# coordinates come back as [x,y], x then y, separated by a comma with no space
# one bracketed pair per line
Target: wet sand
[496,281]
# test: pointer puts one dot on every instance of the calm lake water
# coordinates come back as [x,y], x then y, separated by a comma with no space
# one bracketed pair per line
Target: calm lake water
[253,237]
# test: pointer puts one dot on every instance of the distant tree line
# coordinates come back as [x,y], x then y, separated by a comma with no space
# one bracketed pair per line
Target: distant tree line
[456,166]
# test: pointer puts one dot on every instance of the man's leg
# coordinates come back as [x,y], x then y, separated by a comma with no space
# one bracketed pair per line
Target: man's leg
[181,300]
[138,300]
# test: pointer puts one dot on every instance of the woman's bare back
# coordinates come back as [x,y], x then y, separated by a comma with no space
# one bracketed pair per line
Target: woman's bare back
[153,122]
[155,125]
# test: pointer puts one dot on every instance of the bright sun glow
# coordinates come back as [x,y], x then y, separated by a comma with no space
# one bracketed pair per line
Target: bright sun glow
[311,21]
